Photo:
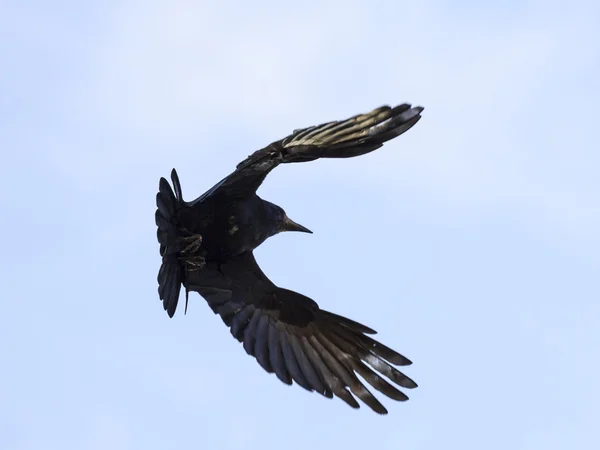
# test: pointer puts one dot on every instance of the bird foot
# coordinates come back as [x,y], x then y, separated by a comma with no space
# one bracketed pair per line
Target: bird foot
[193,263]
[188,248]
[190,244]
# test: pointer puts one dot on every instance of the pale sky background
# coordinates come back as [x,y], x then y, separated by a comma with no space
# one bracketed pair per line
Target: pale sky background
[471,243]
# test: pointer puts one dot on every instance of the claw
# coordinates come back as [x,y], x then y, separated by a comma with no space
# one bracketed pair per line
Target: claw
[193,243]
[193,263]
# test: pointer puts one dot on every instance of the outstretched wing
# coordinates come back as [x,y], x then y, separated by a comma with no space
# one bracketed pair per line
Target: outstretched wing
[355,136]
[291,336]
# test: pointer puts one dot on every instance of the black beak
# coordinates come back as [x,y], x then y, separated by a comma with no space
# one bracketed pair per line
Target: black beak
[290,225]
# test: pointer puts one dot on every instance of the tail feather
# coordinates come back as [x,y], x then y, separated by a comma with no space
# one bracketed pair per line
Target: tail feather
[171,273]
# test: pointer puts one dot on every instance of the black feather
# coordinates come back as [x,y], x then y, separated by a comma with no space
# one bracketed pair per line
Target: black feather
[291,362]
[276,357]
[250,332]
[240,321]
[261,346]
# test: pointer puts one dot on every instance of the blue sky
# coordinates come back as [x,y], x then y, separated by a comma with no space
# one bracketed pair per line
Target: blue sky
[471,243]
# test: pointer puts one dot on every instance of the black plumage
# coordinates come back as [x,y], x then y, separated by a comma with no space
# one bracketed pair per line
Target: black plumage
[206,246]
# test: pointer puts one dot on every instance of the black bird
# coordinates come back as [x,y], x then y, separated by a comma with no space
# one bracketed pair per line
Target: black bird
[206,245]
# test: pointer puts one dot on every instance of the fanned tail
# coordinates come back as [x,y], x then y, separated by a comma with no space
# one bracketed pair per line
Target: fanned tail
[178,247]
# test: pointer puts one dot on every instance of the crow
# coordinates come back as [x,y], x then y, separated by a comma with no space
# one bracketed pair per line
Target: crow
[207,246]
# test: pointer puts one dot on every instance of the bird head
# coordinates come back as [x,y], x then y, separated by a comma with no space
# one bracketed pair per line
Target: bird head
[284,223]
